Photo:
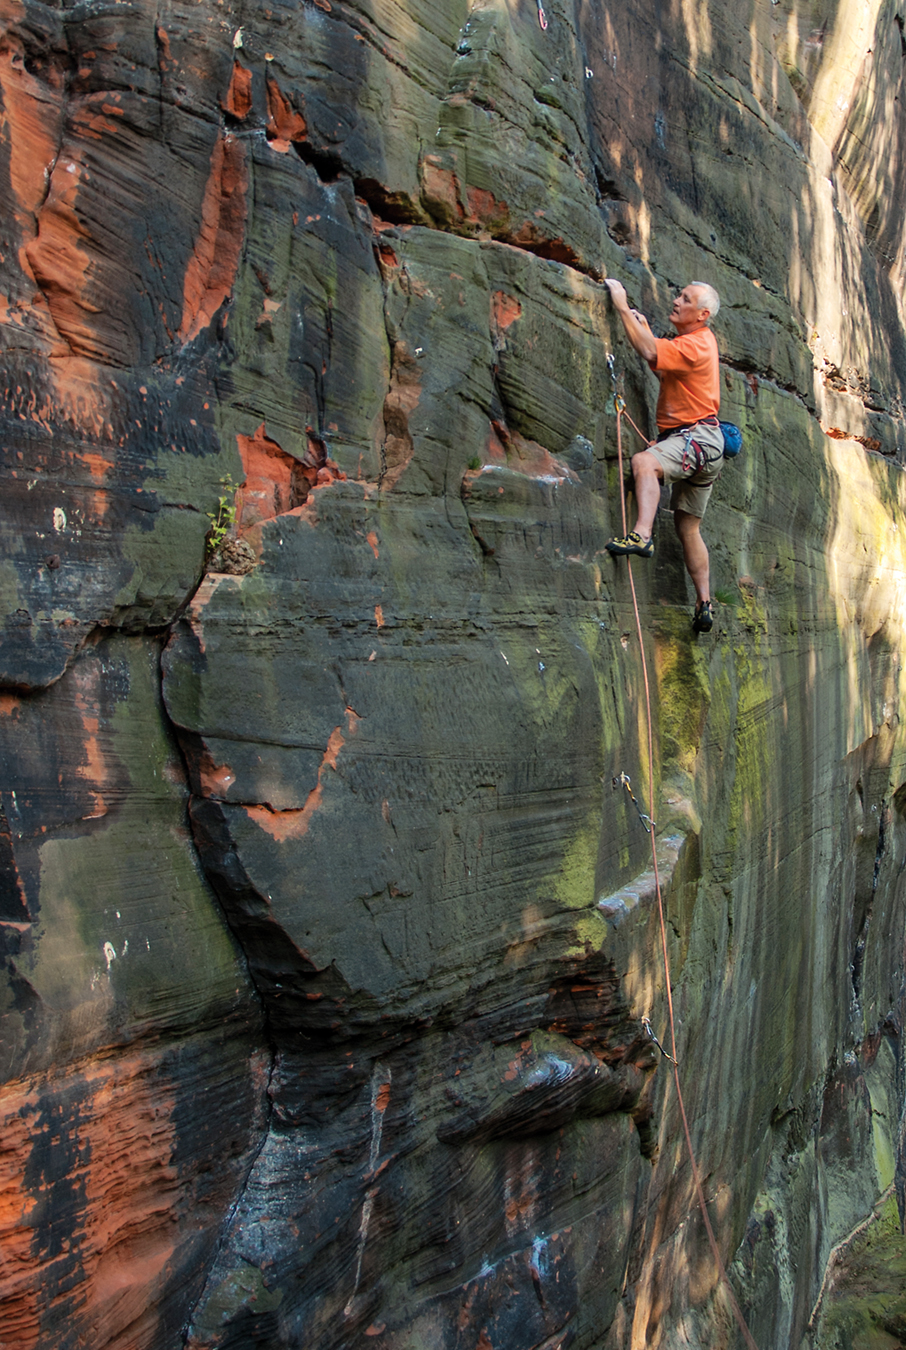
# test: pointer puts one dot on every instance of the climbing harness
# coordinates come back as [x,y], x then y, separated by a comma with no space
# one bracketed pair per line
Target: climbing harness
[695,456]
[619,405]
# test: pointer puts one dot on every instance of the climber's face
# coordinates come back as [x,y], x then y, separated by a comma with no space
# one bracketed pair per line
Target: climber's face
[688,312]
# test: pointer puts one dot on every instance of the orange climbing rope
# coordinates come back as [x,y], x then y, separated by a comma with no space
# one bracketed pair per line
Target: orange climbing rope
[621,412]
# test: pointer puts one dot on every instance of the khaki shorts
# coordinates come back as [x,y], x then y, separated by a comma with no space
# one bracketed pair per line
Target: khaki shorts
[691,488]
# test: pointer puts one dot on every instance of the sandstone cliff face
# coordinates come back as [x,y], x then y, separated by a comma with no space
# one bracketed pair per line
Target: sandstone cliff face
[327,941]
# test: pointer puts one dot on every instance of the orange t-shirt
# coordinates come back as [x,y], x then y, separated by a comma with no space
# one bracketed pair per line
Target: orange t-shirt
[690,379]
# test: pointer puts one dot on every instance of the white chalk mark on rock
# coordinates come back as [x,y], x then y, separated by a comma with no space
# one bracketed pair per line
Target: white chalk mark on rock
[380,1096]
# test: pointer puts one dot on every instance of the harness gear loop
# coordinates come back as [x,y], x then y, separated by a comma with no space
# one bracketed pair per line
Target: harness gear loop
[697,454]
[699,458]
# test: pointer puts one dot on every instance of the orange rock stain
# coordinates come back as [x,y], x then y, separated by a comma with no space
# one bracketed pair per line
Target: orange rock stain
[98,466]
[293,824]
[496,447]
[382,1098]
[238,101]
[212,268]
[484,208]
[215,780]
[21,1301]
[269,309]
[82,398]
[58,260]
[123,1224]
[268,487]
[505,309]
[94,769]
[284,123]
[30,120]
[165,58]
[389,259]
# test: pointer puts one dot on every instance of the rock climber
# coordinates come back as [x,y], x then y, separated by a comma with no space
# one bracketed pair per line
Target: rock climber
[688,452]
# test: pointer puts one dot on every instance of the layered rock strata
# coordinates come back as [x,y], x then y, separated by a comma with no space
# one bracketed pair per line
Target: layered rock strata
[329,943]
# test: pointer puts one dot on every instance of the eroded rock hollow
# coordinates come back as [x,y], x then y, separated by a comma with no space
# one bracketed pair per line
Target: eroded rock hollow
[328,942]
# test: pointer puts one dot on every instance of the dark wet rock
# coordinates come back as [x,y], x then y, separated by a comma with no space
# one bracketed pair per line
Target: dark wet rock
[531,1087]
[329,927]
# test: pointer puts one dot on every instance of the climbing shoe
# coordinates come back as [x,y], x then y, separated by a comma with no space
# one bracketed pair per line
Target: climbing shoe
[631,543]
[703,618]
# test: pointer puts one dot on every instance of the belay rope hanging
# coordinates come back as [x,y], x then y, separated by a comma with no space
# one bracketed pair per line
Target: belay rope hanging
[648,823]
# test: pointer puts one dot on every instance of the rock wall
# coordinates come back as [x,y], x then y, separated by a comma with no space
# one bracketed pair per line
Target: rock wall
[327,941]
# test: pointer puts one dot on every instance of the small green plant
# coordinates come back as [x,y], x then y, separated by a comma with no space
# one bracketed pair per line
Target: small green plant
[224,517]
[725,596]
[474,462]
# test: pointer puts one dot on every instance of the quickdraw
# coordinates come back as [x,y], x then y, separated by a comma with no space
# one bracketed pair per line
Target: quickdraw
[651,1036]
[625,781]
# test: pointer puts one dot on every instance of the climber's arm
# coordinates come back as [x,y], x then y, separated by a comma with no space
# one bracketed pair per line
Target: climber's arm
[635,324]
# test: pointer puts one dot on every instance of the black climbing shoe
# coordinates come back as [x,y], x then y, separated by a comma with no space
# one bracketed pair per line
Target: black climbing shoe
[703,618]
[631,543]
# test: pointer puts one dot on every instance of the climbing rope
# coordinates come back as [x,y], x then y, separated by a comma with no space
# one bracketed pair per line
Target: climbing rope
[620,409]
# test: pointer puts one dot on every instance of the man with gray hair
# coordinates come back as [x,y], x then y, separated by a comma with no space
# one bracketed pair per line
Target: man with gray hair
[688,452]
